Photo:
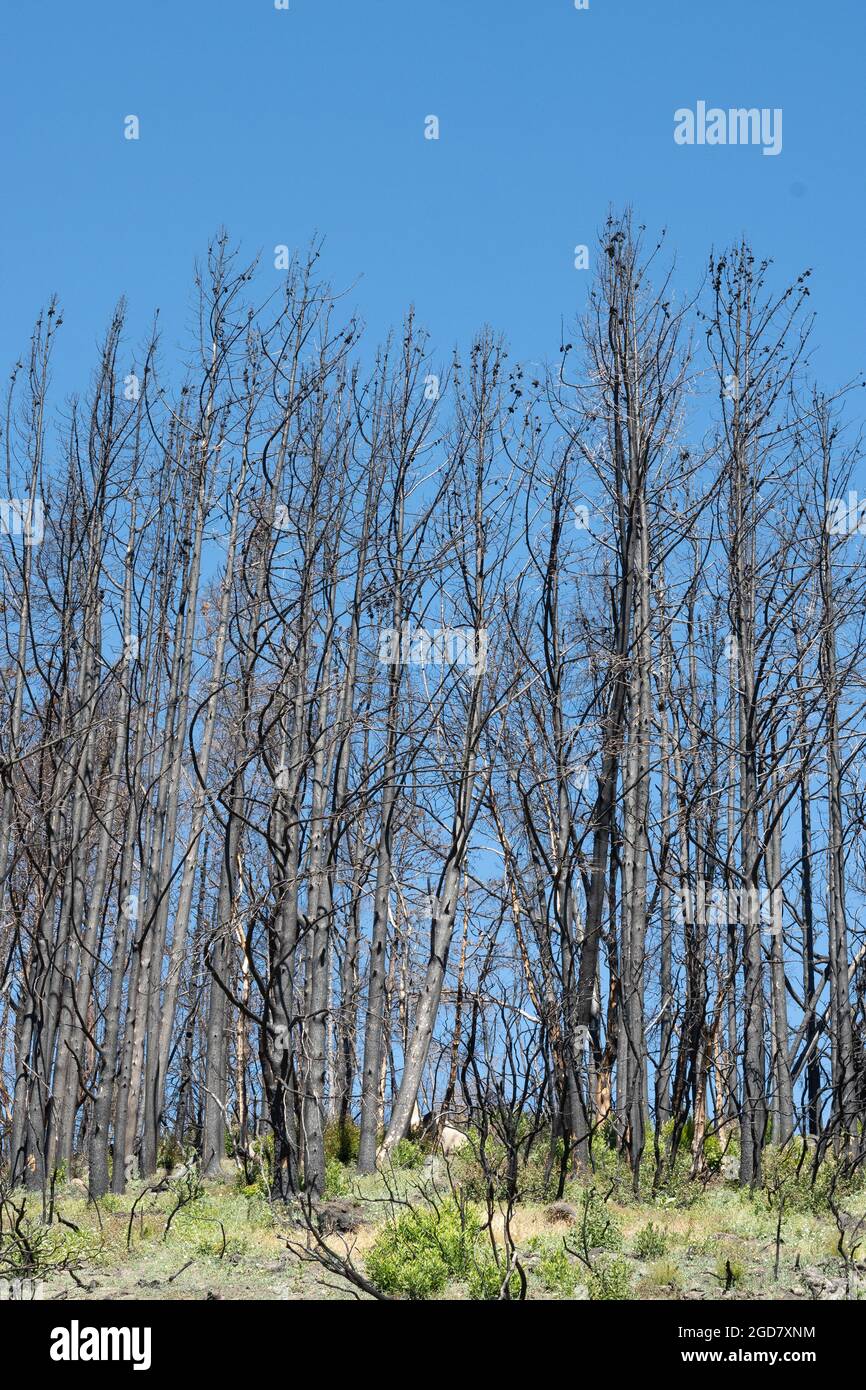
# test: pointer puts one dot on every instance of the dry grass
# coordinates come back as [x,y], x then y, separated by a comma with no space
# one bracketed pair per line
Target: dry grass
[231,1244]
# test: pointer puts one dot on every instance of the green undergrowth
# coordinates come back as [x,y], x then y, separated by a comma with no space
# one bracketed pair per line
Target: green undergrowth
[426,1228]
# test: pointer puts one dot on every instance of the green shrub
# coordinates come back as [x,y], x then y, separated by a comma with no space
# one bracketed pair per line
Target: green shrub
[665,1275]
[405,1154]
[495,1174]
[557,1274]
[789,1174]
[250,1189]
[171,1152]
[32,1249]
[535,1184]
[342,1141]
[337,1183]
[485,1281]
[651,1242]
[418,1253]
[687,1133]
[214,1247]
[112,1202]
[597,1228]
[610,1281]
[730,1272]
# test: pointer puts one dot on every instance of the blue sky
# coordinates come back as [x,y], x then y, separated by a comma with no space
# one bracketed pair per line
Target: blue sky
[281,124]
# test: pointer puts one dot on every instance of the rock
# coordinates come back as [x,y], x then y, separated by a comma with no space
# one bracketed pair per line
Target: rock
[829,1288]
[834,1290]
[562,1212]
[451,1140]
[339,1215]
[853,1226]
[178,1174]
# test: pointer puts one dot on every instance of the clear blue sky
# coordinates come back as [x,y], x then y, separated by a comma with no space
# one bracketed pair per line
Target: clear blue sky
[278,124]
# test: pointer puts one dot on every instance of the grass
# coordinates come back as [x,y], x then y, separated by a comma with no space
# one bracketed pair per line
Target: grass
[230,1243]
